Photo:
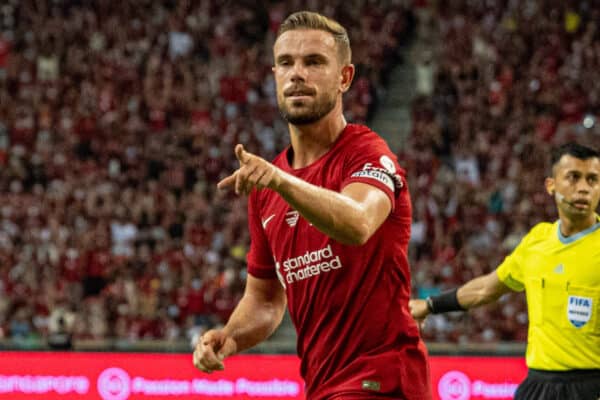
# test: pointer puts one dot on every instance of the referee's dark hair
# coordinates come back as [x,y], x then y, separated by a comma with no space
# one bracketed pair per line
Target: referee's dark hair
[573,149]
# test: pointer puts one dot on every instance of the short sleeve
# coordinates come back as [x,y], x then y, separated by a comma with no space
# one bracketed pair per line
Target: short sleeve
[259,259]
[511,271]
[374,164]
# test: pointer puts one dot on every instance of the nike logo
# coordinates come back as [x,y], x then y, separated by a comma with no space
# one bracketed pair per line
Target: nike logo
[266,220]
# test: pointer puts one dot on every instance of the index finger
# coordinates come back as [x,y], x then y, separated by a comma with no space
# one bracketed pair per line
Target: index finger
[228,181]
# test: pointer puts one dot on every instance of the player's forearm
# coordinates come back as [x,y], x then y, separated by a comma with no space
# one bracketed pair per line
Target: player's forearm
[253,321]
[334,214]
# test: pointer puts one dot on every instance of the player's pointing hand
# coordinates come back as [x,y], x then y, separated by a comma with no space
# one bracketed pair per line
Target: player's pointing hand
[241,154]
[254,172]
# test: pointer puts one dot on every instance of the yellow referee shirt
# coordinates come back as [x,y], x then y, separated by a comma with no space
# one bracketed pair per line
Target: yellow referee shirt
[561,277]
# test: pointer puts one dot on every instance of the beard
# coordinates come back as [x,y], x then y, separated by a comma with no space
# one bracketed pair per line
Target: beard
[302,114]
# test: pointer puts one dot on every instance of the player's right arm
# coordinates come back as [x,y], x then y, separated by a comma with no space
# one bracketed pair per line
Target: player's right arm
[255,318]
[350,217]
[476,292]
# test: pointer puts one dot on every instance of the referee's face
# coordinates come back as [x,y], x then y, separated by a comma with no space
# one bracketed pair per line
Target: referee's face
[576,187]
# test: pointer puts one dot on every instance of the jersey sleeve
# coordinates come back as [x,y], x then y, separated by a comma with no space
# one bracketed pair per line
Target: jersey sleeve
[511,271]
[373,163]
[259,258]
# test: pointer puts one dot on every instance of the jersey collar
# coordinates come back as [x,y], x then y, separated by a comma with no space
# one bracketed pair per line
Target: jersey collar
[570,239]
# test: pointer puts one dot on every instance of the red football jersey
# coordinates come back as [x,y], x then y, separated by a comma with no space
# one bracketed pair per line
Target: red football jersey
[349,304]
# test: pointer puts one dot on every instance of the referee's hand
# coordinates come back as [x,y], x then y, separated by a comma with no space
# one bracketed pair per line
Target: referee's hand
[211,349]
[418,310]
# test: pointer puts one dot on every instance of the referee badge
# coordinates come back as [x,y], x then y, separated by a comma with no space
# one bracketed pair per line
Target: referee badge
[579,310]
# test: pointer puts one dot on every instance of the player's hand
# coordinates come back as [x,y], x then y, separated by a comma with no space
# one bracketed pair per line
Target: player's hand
[418,310]
[254,172]
[211,349]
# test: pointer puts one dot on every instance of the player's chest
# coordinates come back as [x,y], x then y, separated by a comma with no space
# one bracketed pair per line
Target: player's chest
[302,254]
[287,232]
[284,227]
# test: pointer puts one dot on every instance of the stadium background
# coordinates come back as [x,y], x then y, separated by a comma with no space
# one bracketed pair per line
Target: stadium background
[118,118]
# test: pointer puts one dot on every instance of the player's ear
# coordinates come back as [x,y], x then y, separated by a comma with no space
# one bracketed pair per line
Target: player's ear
[347,76]
[549,184]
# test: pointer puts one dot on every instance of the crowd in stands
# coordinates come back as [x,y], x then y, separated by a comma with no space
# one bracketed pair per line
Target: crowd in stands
[117,118]
[506,81]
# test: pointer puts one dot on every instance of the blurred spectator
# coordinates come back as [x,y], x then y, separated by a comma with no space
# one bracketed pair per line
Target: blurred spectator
[60,327]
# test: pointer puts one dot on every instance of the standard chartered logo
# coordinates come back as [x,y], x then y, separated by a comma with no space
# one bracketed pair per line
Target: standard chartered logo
[311,263]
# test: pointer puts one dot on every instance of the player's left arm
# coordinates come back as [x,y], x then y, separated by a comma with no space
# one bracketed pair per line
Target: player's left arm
[351,216]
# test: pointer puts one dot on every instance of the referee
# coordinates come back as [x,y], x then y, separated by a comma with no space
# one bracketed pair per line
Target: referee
[558,266]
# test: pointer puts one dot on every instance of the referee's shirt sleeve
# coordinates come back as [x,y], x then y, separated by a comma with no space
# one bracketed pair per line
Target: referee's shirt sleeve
[510,272]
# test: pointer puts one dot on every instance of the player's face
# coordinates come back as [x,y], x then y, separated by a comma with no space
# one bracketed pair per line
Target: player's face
[309,75]
[576,185]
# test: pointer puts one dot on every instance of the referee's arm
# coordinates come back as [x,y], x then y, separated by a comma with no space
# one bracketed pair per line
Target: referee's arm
[478,291]
[481,290]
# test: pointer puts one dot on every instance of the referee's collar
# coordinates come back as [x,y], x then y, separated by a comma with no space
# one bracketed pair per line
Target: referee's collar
[570,239]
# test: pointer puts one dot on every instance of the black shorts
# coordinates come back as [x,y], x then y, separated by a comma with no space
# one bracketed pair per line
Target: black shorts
[583,384]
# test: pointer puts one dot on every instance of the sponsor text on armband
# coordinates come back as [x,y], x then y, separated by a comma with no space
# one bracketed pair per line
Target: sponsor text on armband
[375,174]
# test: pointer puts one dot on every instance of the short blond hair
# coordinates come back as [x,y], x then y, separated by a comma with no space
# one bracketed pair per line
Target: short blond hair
[313,20]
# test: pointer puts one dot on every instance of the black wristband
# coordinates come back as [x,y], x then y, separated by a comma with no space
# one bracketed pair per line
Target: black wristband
[429,305]
[445,302]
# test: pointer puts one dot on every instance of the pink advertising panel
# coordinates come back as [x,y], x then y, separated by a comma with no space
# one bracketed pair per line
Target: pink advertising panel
[121,376]
[476,378]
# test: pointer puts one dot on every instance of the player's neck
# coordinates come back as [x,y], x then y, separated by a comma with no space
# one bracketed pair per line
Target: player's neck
[570,226]
[312,141]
